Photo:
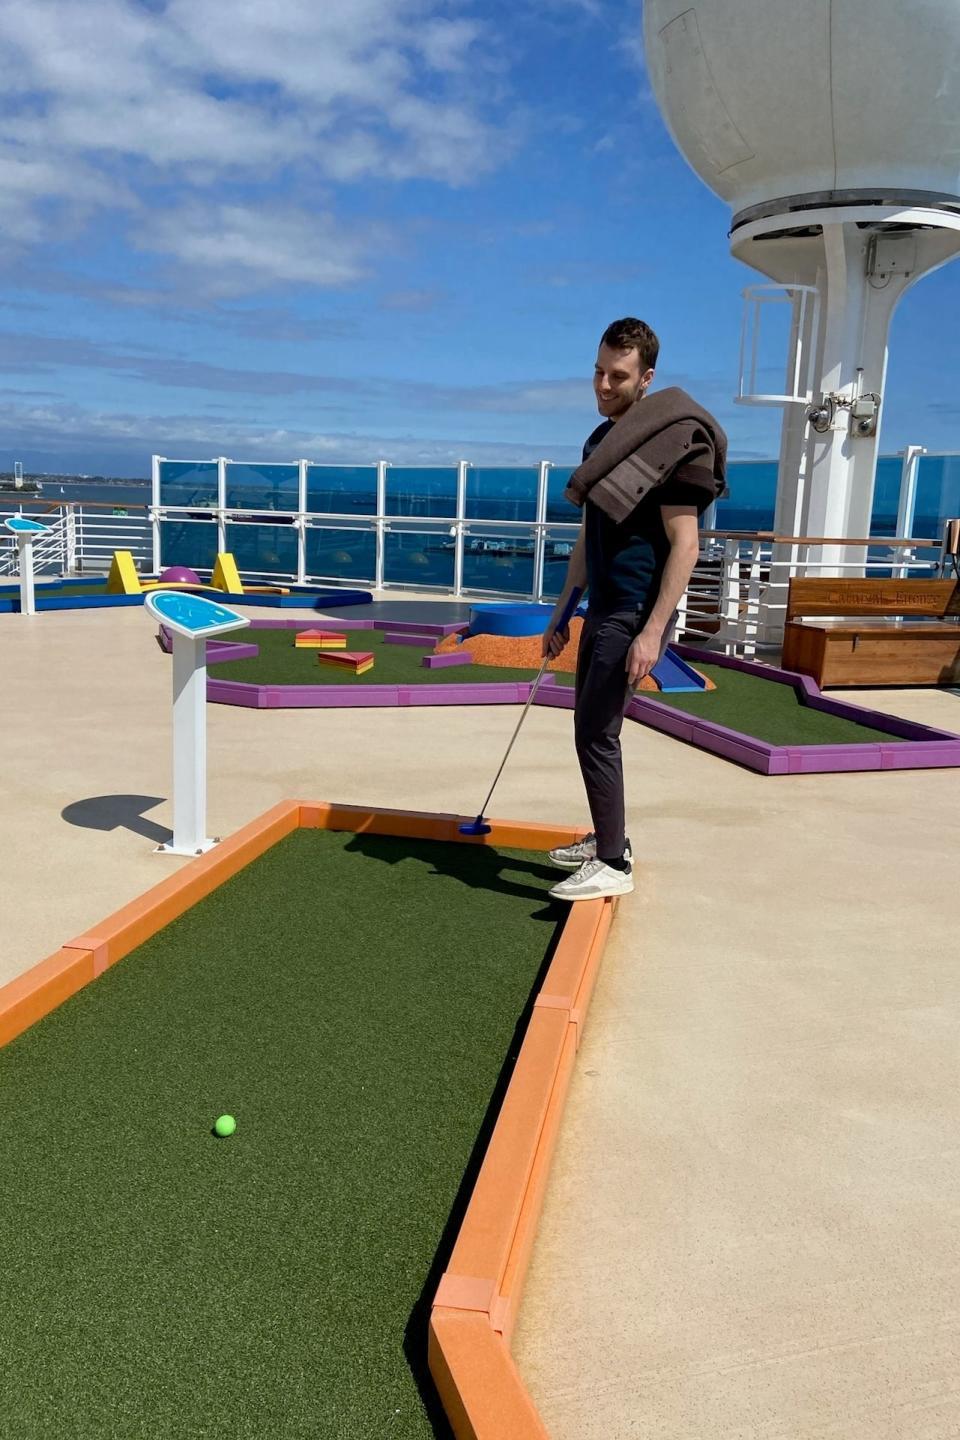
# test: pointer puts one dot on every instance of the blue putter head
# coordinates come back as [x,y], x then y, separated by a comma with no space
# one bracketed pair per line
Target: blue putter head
[476,827]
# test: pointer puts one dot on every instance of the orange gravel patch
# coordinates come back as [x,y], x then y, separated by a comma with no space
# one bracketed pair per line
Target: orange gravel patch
[522,652]
[514,652]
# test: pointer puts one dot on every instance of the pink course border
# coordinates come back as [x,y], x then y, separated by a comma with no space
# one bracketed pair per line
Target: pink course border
[913,746]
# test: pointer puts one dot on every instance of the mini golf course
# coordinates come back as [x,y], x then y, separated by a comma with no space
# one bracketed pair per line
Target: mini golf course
[747,703]
[281,663]
[771,712]
[91,593]
[356,1001]
[756,715]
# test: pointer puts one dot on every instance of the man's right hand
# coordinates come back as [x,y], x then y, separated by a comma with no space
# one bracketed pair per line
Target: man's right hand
[554,641]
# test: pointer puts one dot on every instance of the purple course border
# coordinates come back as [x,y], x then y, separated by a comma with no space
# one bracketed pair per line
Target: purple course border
[918,746]
[273,697]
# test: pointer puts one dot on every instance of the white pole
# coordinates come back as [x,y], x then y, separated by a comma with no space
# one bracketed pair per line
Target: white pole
[458,530]
[908,489]
[907,503]
[221,502]
[189,746]
[301,522]
[155,463]
[27,600]
[380,523]
[540,533]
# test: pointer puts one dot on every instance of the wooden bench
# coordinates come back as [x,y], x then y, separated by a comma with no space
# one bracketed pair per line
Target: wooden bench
[873,632]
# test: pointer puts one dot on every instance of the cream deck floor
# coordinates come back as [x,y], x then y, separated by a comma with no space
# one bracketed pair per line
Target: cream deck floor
[752,1230]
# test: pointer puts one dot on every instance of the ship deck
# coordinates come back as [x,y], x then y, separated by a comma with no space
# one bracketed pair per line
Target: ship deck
[750,1230]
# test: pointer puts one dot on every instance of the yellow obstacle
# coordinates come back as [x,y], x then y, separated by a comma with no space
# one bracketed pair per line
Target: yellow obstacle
[226,576]
[123,578]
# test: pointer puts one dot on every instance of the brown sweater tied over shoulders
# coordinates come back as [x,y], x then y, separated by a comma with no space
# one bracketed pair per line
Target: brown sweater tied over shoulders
[666,435]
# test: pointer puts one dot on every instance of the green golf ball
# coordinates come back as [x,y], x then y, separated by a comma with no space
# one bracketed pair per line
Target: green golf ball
[225,1125]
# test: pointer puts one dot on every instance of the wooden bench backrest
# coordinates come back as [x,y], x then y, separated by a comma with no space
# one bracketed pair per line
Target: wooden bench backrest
[824,595]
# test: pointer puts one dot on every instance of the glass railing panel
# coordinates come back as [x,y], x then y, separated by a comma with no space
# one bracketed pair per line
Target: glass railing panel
[262,487]
[424,490]
[498,559]
[188,482]
[341,554]
[501,493]
[557,507]
[342,489]
[419,557]
[558,547]
[751,497]
[263,549]
[188,542]
[938,494]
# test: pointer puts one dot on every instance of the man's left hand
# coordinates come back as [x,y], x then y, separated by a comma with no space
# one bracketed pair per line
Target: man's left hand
[643,654]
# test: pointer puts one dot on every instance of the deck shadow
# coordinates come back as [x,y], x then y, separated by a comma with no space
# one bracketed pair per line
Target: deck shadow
[115,812]
[479,867]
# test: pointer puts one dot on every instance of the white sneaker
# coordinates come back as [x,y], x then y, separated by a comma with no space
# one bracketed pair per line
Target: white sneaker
[571,857]
[594,881]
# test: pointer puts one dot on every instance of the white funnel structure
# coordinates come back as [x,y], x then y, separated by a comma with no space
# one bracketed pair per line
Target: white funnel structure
[832,127]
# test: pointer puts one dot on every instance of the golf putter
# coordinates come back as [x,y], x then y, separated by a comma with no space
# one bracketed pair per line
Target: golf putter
[480,826]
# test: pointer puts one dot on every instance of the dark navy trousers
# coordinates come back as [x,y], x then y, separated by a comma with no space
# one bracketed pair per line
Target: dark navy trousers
[602,694]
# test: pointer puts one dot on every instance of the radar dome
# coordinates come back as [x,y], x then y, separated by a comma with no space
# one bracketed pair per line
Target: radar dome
[769,99]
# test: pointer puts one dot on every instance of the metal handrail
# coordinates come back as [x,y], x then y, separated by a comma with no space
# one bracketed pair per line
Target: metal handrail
[736,597]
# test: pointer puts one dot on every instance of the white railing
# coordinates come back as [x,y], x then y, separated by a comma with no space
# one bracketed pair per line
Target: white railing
[459,535]
[99,534]
[80,539]
[737,598]
[50,551]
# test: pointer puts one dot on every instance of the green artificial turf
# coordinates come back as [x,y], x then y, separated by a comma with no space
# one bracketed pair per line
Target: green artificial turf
[355,1002]
[281,663]
[769,711]
[748,703]
[44,590]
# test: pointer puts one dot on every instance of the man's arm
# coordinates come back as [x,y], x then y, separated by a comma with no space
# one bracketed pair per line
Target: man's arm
[680,523]
[554,640]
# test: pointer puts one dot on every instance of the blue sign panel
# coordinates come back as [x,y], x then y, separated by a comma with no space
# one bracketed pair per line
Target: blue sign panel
[192,614]
[19,525]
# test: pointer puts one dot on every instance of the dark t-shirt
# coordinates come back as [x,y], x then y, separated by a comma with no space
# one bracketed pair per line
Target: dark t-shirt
[625,562]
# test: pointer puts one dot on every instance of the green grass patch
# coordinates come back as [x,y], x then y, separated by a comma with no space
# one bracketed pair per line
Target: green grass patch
[748,703]
[281,663]
[769,711]
[356,1003]
[81,592]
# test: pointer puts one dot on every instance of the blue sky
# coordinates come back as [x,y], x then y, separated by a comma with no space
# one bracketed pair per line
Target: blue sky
[361,228]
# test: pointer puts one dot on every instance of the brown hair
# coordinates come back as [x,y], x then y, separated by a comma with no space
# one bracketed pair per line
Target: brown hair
[631,334]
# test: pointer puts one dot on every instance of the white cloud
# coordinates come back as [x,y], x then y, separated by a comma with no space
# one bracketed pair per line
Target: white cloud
[241,248]
[70,438]
[109,102]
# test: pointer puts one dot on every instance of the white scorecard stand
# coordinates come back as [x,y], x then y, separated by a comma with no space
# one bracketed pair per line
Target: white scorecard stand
[25,532]
[192,621]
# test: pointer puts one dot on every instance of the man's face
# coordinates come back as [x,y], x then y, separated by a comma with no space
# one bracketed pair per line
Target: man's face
[618,381]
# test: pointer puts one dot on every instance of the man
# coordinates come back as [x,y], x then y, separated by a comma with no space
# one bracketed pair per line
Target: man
[649,470]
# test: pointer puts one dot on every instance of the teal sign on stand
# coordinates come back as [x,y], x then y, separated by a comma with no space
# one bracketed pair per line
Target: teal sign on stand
[193,621]
[19,525]
[193,615]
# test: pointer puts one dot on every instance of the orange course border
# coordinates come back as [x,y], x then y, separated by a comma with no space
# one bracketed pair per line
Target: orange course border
[476,1303]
